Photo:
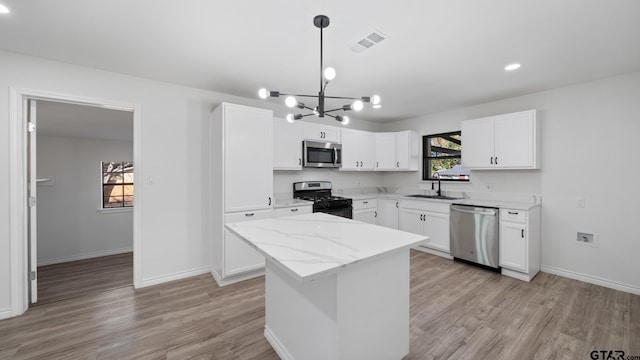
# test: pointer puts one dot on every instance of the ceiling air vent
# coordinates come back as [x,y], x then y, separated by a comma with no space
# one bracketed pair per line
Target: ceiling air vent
[367,42]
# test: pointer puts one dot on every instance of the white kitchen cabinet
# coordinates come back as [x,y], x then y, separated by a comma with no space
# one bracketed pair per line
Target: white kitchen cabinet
[287,145]
[238,185]
[509,141]
[520,243]
[239,257]
[248,184]
[388,213]
[294,210]
[365,210]
[429,218]
[397,151]
[357,150]
[321,132]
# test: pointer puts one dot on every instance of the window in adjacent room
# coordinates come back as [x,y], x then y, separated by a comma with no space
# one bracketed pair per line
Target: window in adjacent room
[117,184]
[442,154]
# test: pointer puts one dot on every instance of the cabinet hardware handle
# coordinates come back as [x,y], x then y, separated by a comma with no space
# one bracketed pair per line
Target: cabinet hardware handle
[398,164]
[269,200]
[375,214]
[365,202]
[356,163]
[522,233]
[421,217]
[248,214]
[513,212]
[377,164]
[294,209]
[396,204]
[496,160]
[360,163]
[299,161]
[492,160]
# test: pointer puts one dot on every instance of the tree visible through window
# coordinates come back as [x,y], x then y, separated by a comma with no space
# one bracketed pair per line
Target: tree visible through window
[442,154]
[117,184]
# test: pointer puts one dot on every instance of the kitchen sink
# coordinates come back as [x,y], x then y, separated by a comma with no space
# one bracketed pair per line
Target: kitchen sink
[439,197]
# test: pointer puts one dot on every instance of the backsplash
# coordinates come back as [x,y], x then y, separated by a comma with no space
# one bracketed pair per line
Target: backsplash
[341,180]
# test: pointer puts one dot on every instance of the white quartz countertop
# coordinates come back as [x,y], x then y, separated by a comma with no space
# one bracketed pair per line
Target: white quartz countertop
[285,203]
[311,246]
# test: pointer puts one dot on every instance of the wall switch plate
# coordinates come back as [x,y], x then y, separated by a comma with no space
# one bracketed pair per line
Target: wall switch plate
[586,239]
[580,202]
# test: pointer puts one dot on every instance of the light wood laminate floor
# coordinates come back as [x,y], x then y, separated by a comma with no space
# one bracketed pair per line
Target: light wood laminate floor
[76,278]
[457,312]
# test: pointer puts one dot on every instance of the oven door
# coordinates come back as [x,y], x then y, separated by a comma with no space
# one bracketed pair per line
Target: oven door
[344,212]
[321,154]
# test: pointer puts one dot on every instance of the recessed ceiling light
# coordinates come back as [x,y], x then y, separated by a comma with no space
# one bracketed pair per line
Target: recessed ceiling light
[512,67]
[4,9]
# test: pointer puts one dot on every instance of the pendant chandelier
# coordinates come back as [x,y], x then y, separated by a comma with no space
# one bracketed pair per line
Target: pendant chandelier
[326,75]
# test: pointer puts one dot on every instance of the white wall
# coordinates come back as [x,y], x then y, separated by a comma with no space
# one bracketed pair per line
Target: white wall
[69,225]
[175,237]
[589,148]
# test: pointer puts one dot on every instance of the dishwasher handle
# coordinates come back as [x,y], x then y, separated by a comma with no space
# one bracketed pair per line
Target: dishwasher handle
[474,210]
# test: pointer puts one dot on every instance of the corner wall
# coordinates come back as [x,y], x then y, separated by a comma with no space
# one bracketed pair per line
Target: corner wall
[589,148]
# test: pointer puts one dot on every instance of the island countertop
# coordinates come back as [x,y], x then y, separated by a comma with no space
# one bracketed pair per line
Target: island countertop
[311,246]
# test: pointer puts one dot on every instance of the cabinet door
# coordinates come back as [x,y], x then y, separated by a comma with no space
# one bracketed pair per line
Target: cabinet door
[321,133]
[403,155]
[514,140]
[366,215]
[248,168]
[513,246]
[350,150]
[477,138]
[239,257]
[410,220]
[287,145]
[436,227]
[388,213]
[385,151]
[367,151]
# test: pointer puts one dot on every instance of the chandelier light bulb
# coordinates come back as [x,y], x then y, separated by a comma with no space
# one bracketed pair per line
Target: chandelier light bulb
[263,93]
[345,120]
[290,118]
[375,99]
[329,73]
[315,111]
[290,101]
[377,106]
[357,105]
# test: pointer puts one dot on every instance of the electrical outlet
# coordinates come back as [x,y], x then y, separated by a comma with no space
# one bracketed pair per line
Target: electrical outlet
[589,239]
[490,187]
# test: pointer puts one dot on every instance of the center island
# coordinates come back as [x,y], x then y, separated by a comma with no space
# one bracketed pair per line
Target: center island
[335,288]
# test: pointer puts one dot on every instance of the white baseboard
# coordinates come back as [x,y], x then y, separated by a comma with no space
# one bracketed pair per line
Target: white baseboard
[175,276]
[433,252]
[5,313]
[516,274]
[591,279]
[276,344]
[232,280]
[84,256]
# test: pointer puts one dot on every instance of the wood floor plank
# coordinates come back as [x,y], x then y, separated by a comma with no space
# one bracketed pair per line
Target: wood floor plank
[457,312]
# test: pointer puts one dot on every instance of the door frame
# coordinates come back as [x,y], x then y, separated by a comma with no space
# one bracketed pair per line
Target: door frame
[18,221]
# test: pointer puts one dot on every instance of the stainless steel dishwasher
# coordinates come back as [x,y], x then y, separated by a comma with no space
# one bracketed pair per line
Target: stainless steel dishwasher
[474,234]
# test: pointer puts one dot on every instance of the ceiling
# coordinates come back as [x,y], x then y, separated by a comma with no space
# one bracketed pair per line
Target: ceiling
[438,55]
[83,121]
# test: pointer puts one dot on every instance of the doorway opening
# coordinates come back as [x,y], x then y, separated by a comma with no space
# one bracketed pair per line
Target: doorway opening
[73,228]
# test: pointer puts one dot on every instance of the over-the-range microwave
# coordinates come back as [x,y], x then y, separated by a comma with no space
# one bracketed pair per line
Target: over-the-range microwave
[321,154]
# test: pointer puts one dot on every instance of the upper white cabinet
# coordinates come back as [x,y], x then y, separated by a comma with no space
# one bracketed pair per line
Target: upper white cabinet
[357,150]
[248,184]
[397,151]
[287,145]
[321,132]
[510,141]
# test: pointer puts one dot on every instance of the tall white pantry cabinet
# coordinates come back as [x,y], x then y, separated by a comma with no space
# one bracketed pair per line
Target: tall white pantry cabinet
[241,186]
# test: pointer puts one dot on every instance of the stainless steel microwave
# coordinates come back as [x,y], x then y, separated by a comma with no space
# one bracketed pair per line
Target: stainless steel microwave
[321,154]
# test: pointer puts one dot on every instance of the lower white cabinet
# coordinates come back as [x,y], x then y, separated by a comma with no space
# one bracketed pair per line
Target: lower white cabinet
[366,210]
[429,218]
[294,210]
[388,213]
[238,257]
[520,243]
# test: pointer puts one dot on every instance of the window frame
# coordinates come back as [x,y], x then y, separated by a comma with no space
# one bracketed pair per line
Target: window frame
[103,185]
[426,160]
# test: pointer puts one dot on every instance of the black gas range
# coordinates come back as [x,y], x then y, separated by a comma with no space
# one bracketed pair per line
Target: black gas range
[320,193]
